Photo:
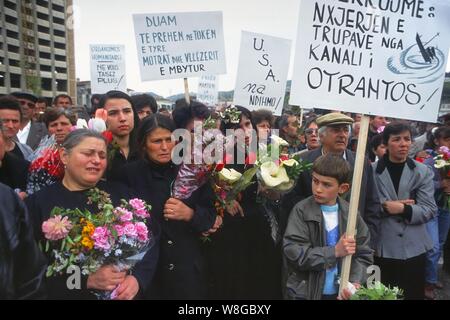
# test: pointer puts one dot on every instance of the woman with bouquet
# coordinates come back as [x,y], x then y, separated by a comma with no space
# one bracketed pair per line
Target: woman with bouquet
[181,270]
[84,157]
[245,262]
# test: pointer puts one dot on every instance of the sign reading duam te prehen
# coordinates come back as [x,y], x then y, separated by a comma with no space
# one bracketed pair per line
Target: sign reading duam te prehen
[108,68]
[208,90]
[179,45]
[262,72]
[374,57]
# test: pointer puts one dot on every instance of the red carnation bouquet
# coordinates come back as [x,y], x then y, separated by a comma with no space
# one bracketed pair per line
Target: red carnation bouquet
[46,166]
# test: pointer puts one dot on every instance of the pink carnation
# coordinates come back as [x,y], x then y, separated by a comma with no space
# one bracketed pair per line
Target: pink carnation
[142,231]
[129,230]
[124,215]
[119,230]
[56,228]
[139,208]
[101,238]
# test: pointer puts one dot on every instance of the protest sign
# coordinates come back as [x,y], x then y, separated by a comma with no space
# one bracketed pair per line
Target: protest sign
[373,57]
[207,92]
[262,72]
[179,45]
[108,68]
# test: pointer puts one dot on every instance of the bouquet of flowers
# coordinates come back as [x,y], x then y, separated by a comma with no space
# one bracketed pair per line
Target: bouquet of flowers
[377,292]
[228,184]
[442,163]
[192,176]
[277,171]
[46,166]
[111,236]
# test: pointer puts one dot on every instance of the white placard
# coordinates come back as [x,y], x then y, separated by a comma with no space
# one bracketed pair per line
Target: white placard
[262,72]
[179,45]
[108,68]
[207,92]
[384,59]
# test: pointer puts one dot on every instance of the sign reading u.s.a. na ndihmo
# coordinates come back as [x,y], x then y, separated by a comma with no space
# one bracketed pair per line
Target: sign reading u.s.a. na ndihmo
[179,45]
[380,57]
[262,72]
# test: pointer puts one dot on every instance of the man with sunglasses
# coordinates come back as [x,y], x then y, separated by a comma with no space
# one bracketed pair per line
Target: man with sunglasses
[30,132]
[334,131]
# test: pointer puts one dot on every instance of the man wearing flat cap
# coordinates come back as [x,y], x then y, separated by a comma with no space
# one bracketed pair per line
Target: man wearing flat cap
[334,130]
[30,132]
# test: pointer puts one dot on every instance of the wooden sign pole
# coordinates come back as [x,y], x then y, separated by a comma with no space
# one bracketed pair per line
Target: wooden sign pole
[301,117]
[354,198]
[186,91]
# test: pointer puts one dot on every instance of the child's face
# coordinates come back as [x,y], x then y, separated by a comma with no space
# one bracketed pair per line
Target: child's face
[326,189]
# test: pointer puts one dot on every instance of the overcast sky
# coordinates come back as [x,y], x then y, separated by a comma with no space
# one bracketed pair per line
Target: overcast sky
[110,22]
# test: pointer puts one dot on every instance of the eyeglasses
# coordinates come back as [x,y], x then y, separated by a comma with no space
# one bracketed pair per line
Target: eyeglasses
[29,104]
[311,131]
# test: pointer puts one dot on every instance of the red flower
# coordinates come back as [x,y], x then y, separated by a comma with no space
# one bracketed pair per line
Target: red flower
[108,136]
[420,159]
[284,158]
[251,158]
[445,156]
[219,167]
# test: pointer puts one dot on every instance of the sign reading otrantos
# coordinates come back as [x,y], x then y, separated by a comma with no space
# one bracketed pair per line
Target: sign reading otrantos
[375,57]
[179,45]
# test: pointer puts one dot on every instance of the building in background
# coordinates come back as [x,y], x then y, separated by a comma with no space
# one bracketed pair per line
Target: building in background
[37,47]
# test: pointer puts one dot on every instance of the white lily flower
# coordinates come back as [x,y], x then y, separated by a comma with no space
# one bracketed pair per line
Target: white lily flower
[276,140]
[273,175]
[439,164]
[229,175]
[289,163]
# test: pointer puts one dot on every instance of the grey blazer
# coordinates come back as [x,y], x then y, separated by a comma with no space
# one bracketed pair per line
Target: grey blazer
[399,238]
[37,132]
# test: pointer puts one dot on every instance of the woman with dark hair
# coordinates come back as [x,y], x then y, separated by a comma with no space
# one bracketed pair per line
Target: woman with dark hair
[84,156]
[181,269]
[245,259]
[122,120]
[262,121]
[405,189]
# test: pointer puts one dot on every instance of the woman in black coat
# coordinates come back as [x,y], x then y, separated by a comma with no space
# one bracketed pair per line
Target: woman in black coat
[84,157]
[245,262]
[181,271]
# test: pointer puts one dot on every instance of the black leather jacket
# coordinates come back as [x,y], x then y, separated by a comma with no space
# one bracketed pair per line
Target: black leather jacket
[22,265]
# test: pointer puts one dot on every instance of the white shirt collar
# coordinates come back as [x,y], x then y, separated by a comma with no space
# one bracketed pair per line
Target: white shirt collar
[22,135]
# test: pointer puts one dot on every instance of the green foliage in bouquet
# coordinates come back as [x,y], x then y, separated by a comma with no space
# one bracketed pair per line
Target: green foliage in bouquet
[378,292]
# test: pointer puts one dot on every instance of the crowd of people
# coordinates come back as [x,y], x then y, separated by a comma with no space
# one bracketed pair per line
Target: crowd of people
[288,247]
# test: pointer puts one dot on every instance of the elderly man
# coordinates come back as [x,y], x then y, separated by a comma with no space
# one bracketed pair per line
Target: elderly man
[30,132]
[334,129]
